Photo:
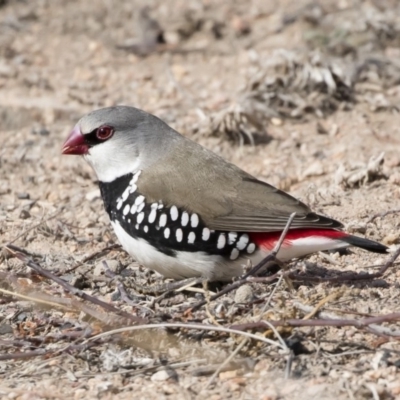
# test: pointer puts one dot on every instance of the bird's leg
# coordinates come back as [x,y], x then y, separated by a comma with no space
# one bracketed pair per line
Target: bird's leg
[286,277]
[267,261]
[270,257]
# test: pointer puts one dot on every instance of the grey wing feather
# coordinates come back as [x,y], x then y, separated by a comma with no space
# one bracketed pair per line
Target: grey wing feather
[260,207]
[265,224]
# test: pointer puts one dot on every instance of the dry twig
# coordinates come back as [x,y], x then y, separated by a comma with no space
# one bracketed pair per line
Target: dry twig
[370,323]
[19,253]
[383,214]
[202,327]
[26,231]
[97,253]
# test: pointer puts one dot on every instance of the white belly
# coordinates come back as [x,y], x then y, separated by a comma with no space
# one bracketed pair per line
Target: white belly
[185,264]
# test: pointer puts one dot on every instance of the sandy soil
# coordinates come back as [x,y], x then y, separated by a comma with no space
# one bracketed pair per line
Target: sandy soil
[59,60]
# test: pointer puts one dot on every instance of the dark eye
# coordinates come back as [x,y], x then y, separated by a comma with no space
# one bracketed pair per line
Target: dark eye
[104,132]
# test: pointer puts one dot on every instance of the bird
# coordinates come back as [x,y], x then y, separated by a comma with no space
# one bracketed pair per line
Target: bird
[183,211]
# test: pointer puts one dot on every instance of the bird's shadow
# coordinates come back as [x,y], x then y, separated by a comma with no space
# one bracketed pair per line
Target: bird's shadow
[315,273]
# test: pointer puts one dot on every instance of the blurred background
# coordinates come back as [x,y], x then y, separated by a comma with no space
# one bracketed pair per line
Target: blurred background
[302,94]
[190,61]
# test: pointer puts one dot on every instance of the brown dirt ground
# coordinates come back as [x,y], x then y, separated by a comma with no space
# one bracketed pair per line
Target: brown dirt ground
[59,60]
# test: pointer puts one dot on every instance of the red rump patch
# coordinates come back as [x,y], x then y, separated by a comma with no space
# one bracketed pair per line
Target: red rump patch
[268,240]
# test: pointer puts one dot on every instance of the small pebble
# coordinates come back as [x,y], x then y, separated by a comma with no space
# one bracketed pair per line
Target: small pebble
[276,121]
[24,214]
[41,131]
[228,374]
[23,196]
[113,265]
[314,169]
[244,294]
[93,195]
[163,375]
[391,238]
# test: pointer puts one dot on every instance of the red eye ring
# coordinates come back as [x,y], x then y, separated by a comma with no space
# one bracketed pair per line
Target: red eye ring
[104,132]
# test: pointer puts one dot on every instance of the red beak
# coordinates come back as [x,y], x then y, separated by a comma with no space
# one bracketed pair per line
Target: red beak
[75,143]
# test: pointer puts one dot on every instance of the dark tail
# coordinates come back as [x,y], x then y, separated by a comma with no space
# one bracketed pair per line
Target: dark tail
[365,244]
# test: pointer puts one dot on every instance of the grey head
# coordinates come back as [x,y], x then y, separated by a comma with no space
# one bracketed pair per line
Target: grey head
[120,140]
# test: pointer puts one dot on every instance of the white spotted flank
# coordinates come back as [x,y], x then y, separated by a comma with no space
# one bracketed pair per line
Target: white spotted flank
[250,248]
[221,241]
[125,195]
[140,218]
[232,236]
[179,235]
[153,215]
[194,220]
[139,200]
[191,237]
[132,188]
[126,209]
[135,177]
[185,218]
[140,207]
[242,242]
[234,254]
[206,234]
[163,220]
[174,213]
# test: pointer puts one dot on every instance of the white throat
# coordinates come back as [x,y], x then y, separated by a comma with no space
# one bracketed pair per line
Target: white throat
[110,166]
